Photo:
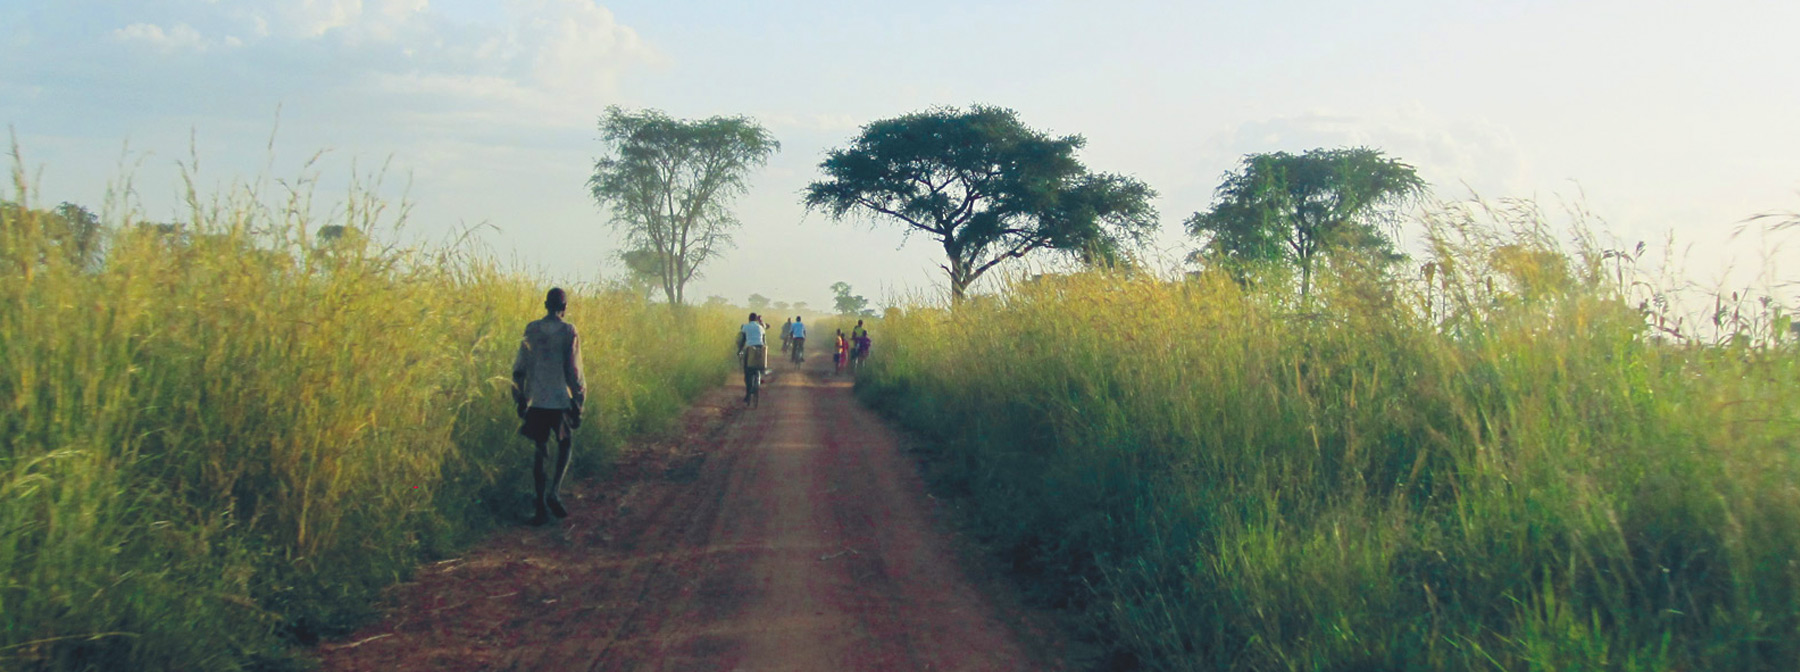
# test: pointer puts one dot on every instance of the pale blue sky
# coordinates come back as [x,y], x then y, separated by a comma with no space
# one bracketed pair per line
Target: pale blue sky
[1664,116]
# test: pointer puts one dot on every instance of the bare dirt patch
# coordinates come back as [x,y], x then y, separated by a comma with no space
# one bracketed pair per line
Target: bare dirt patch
[793,536]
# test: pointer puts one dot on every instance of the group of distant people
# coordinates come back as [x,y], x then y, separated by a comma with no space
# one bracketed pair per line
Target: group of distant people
[548,389]
[849,350]
[854,350]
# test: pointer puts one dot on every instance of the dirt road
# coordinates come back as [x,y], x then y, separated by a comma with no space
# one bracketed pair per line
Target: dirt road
[793,536]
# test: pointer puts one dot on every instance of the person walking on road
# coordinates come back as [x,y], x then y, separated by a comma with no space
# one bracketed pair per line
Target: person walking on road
[754,355]
[859,345]
[548,392]
[799,331]
[787,336]
[840,352]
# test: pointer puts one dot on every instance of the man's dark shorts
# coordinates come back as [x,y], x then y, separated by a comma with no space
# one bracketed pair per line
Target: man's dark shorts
[542,423]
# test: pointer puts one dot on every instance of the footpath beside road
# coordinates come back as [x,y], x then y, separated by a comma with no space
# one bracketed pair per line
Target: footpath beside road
[792,536]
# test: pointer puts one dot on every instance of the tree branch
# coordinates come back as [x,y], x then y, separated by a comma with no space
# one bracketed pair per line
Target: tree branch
[1016,252]
[897,215]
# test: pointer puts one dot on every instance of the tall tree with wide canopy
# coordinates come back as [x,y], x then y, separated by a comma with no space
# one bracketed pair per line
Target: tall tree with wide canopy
[668,182]
[1294,208]
[984,186]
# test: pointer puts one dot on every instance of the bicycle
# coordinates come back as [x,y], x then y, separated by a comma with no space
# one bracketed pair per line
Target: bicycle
[755,359]
[859,353]
[798,352]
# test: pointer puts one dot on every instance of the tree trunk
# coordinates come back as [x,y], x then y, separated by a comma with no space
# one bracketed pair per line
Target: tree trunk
[958,271]
[1305,279]
[959,283]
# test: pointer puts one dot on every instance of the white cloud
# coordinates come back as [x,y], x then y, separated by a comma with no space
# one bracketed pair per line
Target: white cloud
[543,63]
[354,21]
[317,17]
[578,44]
[552,63]
[378,20]
[401,9]
[181,37]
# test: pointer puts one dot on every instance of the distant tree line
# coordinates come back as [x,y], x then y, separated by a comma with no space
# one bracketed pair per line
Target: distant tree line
[988,189]
[74,234]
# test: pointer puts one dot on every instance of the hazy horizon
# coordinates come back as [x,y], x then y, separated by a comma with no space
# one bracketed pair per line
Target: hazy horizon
[1662,119]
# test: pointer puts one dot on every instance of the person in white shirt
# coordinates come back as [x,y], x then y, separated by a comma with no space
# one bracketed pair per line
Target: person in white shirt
[799,341]
[548,391]
[753,353]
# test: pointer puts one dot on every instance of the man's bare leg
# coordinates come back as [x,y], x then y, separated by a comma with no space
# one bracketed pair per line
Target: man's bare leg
[551,501]
[539,480]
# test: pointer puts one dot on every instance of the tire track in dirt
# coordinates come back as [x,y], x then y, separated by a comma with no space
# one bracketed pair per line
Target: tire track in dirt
[793,536]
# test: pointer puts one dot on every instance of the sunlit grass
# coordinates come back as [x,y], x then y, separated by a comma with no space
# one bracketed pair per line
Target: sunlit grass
[229,435]
[1494,463]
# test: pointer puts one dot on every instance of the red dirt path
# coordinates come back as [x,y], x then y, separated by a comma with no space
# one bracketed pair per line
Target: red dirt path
[794,536]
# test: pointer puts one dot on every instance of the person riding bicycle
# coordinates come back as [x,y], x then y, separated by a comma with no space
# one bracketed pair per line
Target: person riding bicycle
[799,331]
[787,336]
[753,354]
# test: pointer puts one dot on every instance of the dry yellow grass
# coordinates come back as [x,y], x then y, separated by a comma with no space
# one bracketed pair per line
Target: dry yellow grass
[1499,466]
[227,436]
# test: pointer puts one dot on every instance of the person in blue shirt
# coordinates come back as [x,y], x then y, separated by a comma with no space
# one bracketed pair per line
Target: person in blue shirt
[799,341]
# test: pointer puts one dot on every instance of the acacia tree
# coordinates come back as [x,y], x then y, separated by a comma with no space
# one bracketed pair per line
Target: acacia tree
[1288,208]
[846,303]
[985,187]
[668,182]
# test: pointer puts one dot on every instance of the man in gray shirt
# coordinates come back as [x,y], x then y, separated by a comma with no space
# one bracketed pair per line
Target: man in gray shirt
[548,391]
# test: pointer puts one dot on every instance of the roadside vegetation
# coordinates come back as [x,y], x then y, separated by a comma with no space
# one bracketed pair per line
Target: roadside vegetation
[224,435]
[1508,453]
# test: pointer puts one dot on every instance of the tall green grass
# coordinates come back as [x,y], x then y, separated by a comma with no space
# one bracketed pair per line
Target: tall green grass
[1501,464]
[227,436]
